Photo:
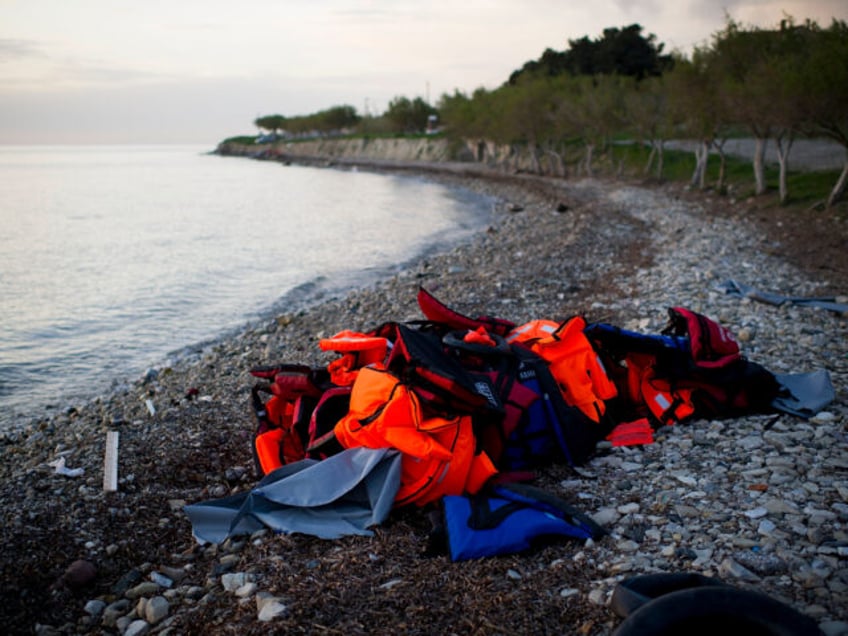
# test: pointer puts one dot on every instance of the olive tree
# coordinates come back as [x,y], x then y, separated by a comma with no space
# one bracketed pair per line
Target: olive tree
[271,123]
[696,111]
[824,92]
[740,60]
[408,116]
[650,116]
[593,108]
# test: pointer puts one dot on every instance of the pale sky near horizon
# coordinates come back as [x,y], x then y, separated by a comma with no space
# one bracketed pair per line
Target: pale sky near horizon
[197,71]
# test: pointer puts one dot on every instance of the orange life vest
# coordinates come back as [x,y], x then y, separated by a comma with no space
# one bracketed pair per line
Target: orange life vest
[669,405]
[532,331]
[269,445]
[283,442]
[357,349]
[572,361]
[438,453]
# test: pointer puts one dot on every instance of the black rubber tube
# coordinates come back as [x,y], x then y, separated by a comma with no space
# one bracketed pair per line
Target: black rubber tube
[631,594]
[717,611]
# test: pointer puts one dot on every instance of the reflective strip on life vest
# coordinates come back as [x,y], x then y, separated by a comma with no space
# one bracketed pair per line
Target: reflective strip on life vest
[669,407]
[661,401]
[533,330]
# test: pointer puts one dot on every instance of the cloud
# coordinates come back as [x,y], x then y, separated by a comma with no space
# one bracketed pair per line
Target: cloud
[186,111]
[631,7]
[766,13]
[15,50]
[204,69]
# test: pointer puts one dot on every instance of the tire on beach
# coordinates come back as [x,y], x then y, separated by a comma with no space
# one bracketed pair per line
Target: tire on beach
[716,610]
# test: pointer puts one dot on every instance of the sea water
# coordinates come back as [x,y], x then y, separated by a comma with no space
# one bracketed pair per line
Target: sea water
[115,258]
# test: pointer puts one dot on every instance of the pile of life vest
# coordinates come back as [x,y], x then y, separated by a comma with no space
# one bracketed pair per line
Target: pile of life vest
[464,399]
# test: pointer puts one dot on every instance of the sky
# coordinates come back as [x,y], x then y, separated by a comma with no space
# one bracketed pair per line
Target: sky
[198,71]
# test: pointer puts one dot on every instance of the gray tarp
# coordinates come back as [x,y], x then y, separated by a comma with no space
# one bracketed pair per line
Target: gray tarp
[804,394]
[744,291]
[341,495]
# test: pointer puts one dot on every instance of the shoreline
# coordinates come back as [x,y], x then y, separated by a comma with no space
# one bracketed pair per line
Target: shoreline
[620,253]
[25,410]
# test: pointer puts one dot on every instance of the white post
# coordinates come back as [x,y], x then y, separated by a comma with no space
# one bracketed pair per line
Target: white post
[110,463]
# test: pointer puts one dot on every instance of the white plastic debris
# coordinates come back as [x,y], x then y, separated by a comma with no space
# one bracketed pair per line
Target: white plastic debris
[60,468]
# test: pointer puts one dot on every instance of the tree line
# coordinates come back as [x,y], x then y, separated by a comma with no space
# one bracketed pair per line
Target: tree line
[403,116]
[770,84]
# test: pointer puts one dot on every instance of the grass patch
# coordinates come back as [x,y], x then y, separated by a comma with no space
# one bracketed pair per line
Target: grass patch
[805,189]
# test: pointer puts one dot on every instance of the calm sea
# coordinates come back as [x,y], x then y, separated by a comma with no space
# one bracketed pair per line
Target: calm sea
[114,259]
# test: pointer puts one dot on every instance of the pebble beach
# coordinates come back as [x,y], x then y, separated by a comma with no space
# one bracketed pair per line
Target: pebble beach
[759,501]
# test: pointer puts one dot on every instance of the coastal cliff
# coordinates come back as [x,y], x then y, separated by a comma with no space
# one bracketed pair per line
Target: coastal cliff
[807,154]
[383,149]
[388,150]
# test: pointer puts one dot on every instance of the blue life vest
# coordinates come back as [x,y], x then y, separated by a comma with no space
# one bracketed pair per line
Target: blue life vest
[510,518]
[551,431]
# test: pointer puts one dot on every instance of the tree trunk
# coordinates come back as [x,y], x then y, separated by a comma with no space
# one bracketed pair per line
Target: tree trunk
[590,149]
[839,188]
[650,161]
[722,164]
[696,171]
[760,165]
[535,167]
[702,153]
[660,164]
[783,160]
[511,161]
[481,151]
[559,165]
[705,160]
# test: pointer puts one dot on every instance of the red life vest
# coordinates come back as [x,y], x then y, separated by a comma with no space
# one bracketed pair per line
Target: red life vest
[283,419]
